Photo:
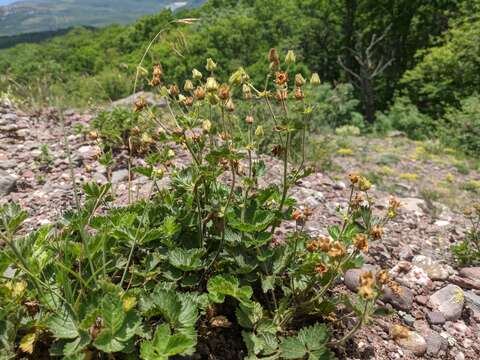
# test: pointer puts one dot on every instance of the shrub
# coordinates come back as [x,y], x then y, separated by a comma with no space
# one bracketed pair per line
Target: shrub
[462,126]
[467,252]
[404,116]
[347,130]
[155,278]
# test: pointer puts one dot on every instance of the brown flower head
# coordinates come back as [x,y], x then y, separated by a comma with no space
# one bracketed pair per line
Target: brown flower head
[277,150]
[337,250]
[140,104]
[298,215]
[361,242]
[324,243]
[199,93]
[298,94]
[229,105]
[157,70]
[249,119]
[273,58]
[321,268]
[299,80]
[354,178]
[247,92]
[383,277]
[312,246]
[376,232]
[358,200]
[281,77]
[393,203]
[173,90]
[224,92]
[366,279]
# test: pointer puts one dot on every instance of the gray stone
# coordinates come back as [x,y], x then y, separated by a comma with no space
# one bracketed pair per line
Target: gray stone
[435,317]
[407,318]
[151,99]
[414,205]
[340,185]
[435,343]
[472,300]
[7,164]
[7,183]
[119,176]
[403,300]
[449,301]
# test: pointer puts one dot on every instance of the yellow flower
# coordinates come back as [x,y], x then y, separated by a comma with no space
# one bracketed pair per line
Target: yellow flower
[211,65]
[196,75]
[211,85]
[290,58]
[188,86]
[364,184]
[129,303]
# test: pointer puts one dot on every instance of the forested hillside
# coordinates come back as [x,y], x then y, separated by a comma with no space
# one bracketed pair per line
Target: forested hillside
[423,54]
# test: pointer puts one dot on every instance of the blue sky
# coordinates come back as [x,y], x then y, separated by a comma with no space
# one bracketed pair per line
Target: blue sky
[6,2]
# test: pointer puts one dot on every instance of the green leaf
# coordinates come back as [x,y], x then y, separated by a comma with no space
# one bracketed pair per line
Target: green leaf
[118,326]
[186,260]
[164,344]
[310,340]
[62,325]
[249,315]
[221,285]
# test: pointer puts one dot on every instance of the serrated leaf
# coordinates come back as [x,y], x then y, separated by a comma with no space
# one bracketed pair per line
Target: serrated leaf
[249,315]
[186,260]
[314,337]
[292,348]
[118,326]
[62,325]
[164,344]
[222,285]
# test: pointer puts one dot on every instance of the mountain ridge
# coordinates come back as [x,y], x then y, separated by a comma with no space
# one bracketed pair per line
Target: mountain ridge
[29,16]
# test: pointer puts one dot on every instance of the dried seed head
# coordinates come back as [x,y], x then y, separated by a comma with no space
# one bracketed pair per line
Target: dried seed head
[157,70]
[281,94]
[211,65]
[337,250]
[321,268]
[298,94]
[312,246]
[196,75]
[299,80]
[140,104]
[281,77]
[315,79]
[324,243]
[273,58]
[249,119]
[290,58]
[360,241]
[376,232]
[224,92]
[173,90]
[383,277]
[199,93]
[354,178]
[298,215]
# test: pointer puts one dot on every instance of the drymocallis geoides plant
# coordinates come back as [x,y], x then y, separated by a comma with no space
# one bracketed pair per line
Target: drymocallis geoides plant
[163,276]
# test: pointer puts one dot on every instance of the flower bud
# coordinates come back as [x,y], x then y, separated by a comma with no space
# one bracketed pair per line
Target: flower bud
[164,91]
[229,105]
[290,58]
[199,93]
[249,119]
[247,92]
[299,80]
[211,85]
[224,92]
[188,86]
[157,70]
[315,79]
[213,99]
[206,125]
[211,65]
[239,77]
[273,58]
[196,75]
[259,131]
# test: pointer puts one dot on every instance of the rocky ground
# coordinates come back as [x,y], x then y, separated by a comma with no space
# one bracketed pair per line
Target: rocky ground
[439,304]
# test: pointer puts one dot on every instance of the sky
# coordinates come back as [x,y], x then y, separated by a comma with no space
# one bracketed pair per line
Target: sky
[6,2]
